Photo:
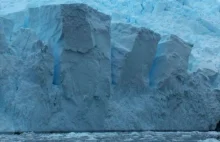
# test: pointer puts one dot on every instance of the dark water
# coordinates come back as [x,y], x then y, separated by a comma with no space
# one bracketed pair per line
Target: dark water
[115,137]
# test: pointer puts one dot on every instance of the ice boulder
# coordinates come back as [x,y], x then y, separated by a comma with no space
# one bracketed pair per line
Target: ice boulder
[133,51]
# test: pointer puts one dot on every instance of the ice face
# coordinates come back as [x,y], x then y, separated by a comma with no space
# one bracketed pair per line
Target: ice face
[133,51]
[57,70]
[172,57]
[61,62]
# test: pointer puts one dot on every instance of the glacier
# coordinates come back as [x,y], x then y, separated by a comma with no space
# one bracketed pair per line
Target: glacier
[193,21]
[109,65]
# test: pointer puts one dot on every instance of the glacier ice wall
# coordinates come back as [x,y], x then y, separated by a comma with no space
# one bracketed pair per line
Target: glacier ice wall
[63,80]
[81,50]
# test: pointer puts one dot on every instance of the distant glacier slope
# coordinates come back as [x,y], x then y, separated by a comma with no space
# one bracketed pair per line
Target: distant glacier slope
[197,21]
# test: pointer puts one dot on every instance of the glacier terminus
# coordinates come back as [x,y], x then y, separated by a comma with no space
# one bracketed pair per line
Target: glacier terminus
[108,65]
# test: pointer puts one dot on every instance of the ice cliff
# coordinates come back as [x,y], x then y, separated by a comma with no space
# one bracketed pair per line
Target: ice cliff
[68,67]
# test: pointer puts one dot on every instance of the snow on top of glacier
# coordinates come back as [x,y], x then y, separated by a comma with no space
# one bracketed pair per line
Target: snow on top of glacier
[197,21]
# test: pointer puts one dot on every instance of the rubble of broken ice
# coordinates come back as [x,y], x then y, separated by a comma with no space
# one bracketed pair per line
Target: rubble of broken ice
[69,68]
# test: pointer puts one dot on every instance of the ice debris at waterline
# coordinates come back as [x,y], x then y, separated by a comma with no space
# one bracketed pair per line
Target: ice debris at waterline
[117,137]
[67,67]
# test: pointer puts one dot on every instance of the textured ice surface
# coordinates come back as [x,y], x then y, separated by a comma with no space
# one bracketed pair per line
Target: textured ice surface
[133,51]
[55,75]
[26,70]
[194,21]
[56,71]
[172,57]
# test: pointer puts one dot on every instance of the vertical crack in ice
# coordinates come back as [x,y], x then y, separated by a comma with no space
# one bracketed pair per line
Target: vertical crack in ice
[56,75]
[151,81]
[217,127]
[25,45]
[26,22]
